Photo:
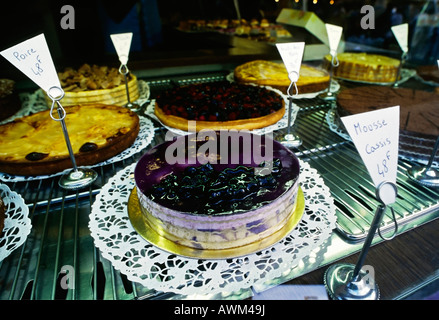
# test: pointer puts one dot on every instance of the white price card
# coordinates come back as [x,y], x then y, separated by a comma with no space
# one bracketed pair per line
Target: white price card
[334,36]
[122,43]
[292,54]
[376,137]
[32,57]
[401,33]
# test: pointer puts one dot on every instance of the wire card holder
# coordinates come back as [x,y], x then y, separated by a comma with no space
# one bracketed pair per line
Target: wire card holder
[290,139]
[328,95]
[345,281]
[398,73]
[426,175]
[123,69]
[78,177]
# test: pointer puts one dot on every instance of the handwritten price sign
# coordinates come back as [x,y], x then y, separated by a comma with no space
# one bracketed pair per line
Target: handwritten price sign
[122,44]
[292,54]
[334,36]
[32,57]
[401,33]
[376,137]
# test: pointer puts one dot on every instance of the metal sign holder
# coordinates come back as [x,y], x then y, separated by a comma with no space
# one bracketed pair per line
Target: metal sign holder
[78,177]
[123,69]
[290,139]
[398,74]
[346,281]
[426,175]
[328,95]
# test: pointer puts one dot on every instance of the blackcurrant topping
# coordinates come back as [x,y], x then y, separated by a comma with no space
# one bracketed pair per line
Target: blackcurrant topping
[204,190]
[219,101]
[88,146]
[36,156]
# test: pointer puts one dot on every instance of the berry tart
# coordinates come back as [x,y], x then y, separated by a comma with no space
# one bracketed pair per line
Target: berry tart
[219,105]
[221,204]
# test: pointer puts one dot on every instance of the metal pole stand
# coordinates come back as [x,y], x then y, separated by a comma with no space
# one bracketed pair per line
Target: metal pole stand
[350,282]
[290,139]
[328,95]
[78,177]
[426,175]
[398,75]
[123,69]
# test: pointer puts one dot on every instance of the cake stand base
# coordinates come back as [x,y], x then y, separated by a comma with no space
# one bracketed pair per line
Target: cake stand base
[340,285]
[133,106]
[290,140]
[327,96]
[77,179]
[423,175]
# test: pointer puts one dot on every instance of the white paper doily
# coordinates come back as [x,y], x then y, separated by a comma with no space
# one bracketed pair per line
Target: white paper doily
[17,223]
[144,138]
[282,123]
[332,121]
[156,269]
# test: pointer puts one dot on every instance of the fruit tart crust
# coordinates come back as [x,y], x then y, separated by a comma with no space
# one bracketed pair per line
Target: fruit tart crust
[240,124]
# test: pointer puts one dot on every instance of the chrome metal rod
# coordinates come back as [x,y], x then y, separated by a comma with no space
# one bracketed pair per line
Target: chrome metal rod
[66,137]
[290,107]
[430,161]
[126,88]
[370,235]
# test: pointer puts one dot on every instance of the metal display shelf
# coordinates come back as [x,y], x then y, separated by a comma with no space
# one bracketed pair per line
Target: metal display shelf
[60,235]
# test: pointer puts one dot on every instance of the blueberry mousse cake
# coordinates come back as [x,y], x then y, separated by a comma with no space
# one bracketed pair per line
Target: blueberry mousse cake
[219,105]
[219,205]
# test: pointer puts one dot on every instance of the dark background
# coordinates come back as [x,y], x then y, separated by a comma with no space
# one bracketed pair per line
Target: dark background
[154,22]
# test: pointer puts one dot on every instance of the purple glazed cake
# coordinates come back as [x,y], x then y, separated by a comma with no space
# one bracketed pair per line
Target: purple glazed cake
[217,191]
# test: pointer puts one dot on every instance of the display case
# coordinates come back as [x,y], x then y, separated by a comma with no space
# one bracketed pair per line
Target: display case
[77,248]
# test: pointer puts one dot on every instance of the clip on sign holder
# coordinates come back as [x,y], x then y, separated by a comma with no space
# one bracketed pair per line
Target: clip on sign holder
[123,69]
[328,95]
[346,281]
[398,74]
[290,139]
[426,175]
[78,177]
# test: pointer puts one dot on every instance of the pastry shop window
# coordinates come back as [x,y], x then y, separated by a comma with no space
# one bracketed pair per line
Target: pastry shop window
[170,29]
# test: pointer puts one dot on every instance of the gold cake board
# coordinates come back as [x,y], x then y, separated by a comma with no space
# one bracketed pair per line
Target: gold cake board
[143,228]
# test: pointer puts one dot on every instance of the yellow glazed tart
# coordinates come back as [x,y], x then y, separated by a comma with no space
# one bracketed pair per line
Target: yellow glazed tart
[365,67]
[275,75]
[34,145]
